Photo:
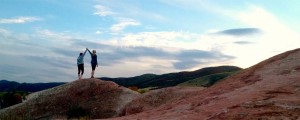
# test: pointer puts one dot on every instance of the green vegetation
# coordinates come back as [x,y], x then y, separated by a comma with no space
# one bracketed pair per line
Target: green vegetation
[144,90]
[141,90]
[208,80]
[11,98]
[134,88]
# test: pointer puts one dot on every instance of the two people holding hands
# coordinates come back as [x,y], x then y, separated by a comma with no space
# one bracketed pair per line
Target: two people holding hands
[80,63]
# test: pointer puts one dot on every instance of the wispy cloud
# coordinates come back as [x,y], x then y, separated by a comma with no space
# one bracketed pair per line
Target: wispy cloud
[18,20]
[180,59]
[33,69]
[190,58]
[240,32]
[4,32]
[98,32]
[102,10]
[123,23]
[53,61]
[243,42]
[33,53]
[58,56]
[54,36]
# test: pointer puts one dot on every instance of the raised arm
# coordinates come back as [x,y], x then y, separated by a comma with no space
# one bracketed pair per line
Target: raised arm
[84,52]
[89,51]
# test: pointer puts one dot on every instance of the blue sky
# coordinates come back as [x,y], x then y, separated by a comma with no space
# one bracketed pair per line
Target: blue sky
[40,39]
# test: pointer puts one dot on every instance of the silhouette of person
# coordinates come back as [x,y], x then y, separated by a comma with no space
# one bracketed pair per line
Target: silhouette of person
[94,62]
[80,64]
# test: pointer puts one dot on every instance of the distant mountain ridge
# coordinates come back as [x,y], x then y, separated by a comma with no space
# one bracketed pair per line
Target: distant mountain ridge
[142,81]
[6,86]
[169,79]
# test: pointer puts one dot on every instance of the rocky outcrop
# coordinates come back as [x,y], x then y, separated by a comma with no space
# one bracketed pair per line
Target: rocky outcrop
[268,90]
[96,98]
[159,97]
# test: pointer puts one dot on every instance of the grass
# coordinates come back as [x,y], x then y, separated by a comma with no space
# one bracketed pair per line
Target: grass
[207,81]
[144,90]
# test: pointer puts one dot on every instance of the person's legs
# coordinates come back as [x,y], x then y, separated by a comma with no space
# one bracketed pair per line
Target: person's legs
[93,70]
[82,71]
[78,71]
[93,73]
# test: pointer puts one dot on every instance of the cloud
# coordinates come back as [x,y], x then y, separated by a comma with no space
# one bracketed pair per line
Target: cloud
[167,51]
[19,20]
[123,14]
[4,32]
[82,43]
[32,59]
[243,42]
[25,68]
[190,58]
[123,54]
[53,61]
[33,75]
[51,35]
[185,59]
[240,32]
[123,23]
[161,39]
[110,55]
[102,10]
[98,32]
[277,37]
[66,52]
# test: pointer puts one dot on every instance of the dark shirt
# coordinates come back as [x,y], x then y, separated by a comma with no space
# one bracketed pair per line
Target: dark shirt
[94,58]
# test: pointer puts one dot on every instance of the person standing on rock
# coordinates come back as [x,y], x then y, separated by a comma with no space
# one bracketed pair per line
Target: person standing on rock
[80,64]
[94,62]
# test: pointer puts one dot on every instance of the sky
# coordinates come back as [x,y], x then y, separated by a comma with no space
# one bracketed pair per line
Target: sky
[40,40]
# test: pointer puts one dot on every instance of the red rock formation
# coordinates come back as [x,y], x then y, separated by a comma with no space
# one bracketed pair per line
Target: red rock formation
[268,90]
[156,98]
[100,99]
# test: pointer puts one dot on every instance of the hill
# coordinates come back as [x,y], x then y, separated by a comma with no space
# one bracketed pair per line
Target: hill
[7,86]
[268,90]
[89,98]
[170,79]
[208,80]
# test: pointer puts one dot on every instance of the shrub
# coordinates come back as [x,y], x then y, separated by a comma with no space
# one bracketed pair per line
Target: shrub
[134,88]
[142,91]
[9,98]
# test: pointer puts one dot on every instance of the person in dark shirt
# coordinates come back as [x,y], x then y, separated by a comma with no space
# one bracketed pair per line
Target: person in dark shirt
[94,62]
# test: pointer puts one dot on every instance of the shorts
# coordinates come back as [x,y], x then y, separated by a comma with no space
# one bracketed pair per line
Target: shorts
[94,66]
[80,68]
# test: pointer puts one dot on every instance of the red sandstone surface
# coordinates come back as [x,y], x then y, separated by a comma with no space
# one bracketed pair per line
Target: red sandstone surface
[102,99]
[268,90]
